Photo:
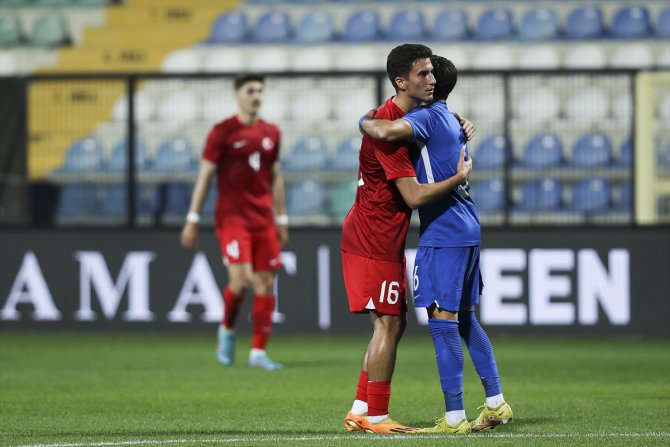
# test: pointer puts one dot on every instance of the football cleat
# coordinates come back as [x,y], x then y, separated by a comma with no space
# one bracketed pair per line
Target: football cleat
[355,422]
[442,426]
[388,426]
[490,417]
[225,350]
[262,361]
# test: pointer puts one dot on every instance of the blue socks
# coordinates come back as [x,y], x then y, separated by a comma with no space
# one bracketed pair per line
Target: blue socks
[449,356]
[481,351]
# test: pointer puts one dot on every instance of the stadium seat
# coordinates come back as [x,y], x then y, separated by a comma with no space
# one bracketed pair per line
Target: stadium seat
[541,195]
[491,153]
[272,27]
[622,106]
[494,57]
[144,108]
[78,200]
[406,25]
[585,22]
[593,150]
[306,197]
[173,155]
[539,106]
[85,154]
[275,106]
[309,153]
[351,105]
[362,26]
[632,55]
[346,154]
[585,56]
[625,157]
[313,58]
[539,24]
[359,58]
[315,27]
[176,199]
[540,57]
[268,59]
[10,31]
[625,198]
[187,60]
[225,60]
[489,195]
[662,27]
[218,106]
[591,195]
[50,31]
[451,24]
[118,160]
[9,63]
[310,107]
[228,28]
[489,105]
[494,24]
[342,197]
[180,106]
[147,201]
[588,105]
[543,151]
[630,22]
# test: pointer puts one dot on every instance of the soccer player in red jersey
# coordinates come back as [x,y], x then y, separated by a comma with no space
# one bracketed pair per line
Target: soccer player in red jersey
[250,219]
[374,233]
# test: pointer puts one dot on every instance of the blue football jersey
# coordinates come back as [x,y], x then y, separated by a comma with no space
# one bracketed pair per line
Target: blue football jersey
[451,221]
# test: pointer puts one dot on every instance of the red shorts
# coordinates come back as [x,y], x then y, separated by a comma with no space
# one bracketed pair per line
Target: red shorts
[260,248]
[373,284]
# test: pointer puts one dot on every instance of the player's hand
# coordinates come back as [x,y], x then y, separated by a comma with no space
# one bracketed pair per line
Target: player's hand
[282,230]
[190,236]
[370,114]
[464,166]
[467,125]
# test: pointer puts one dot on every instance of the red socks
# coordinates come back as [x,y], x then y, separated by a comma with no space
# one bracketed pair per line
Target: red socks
[379,394]
[261,316]
[232,304]
[362,388]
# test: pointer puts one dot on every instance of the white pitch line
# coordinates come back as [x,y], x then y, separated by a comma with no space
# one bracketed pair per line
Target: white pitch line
[353,437]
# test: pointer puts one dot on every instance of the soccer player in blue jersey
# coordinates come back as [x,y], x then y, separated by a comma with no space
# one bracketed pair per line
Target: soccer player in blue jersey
[446,271]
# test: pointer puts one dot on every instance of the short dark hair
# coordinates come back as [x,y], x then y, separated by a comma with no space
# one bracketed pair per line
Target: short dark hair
[401,60]
[243,78]
[446,76]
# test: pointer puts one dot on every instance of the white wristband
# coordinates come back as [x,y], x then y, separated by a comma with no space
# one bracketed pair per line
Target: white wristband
[193,217]
[281,219]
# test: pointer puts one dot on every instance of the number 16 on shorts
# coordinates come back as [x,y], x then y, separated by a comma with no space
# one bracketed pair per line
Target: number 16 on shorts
[392,294]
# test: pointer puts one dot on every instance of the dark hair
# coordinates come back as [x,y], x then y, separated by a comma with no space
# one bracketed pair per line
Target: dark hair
[446,76]
[401,60]
[243,78]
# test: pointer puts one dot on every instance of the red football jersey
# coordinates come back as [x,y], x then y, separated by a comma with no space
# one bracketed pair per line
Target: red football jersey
[376,226]
[244,156]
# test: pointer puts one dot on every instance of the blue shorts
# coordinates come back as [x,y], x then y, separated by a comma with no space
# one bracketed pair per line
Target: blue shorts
[447,276]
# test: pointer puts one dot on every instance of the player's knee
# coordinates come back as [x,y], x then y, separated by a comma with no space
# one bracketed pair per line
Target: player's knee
[263,283]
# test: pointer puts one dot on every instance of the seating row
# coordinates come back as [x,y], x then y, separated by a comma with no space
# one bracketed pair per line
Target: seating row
[536,24]
[48,31]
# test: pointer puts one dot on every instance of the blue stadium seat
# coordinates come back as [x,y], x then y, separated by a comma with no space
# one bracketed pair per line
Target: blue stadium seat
[173,155]
[306,197]
[539,24]
[176,198]
[315,27]
[593,150]
[489,195]
[543,151]
[625,201]
[346,154]
[85,154]
[495,24]
[491,153]
[272,27]
[663,23]
[541,195]
[310,153]
[451,24]
[342,197]
[591,195]
[585,22]
[230,27]
[118,160]
[406,25]
[630,22]
[78,200]
[626,153]
[147,200]
[362,26]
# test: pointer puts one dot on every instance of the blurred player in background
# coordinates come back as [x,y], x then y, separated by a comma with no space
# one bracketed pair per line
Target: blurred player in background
[447,279]
[373,238]
[250,220]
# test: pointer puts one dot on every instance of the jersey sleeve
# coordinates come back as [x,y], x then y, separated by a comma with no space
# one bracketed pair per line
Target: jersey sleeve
[422,123]
[215,145]
[395,161]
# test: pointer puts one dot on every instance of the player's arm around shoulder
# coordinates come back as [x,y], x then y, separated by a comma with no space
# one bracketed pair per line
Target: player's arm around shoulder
[385,130]
[279,203]
[190,234]
[417,194]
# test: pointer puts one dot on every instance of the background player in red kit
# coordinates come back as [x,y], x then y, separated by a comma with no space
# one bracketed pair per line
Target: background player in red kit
[374,233]
[250,220]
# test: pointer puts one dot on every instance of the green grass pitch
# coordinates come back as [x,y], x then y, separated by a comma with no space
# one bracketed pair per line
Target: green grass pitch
[65,389]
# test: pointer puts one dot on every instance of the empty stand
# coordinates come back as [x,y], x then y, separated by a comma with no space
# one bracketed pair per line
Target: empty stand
[187,60]
[541,195]
[585,22]
[272,27]
[407,25]
[585,56]
[84,155]
[315,27]
[342,197]
[539,57]
[346,155]
[50,31]
[494,24]
[539,24]
[174,154]
[306,197]
[543,151]
[489,195]
[230,27]
[662,28]
[451,24]
[225,60]
[491,153]
[362,26]
[176,200]
[178,107]
[591,195]
[10,31]
[588,105]
[630,22]
[593,150]
[632,55]
[309,154]
[119,157]
[538,106]
[77,201]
